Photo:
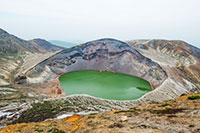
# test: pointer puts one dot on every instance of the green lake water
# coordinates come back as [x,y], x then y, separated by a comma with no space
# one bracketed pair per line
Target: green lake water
[107,85]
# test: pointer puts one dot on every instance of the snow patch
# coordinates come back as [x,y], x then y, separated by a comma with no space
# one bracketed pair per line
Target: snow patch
[71,114]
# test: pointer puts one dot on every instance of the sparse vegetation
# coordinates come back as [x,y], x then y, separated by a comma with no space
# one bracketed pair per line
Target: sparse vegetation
[55,130]
[91,116]
[43,110]
[119,125]
[194,97]
[167,111]
[38,112]
[39,130]
[132,110]
[165,104]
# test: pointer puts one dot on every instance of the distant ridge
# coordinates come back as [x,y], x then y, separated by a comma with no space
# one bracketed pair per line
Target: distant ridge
[45,45]
[10,44]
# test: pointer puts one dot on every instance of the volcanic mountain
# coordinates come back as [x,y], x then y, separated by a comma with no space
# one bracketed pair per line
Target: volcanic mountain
[103,54]
[171,67]
[31,76]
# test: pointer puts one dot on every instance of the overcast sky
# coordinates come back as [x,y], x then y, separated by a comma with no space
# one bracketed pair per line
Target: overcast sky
[85,20]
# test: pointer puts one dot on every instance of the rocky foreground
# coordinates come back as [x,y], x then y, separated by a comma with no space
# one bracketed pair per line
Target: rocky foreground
[180,115]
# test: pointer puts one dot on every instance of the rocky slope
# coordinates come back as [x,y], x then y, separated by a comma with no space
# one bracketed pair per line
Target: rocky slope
[14,52]
[180,115]
[44,46]
[10,44]
[179,59]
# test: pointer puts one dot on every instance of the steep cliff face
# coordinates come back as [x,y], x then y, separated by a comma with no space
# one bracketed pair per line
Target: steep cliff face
[104,54]
[179,59]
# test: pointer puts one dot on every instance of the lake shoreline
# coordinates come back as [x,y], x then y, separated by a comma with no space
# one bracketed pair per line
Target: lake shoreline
[127,85]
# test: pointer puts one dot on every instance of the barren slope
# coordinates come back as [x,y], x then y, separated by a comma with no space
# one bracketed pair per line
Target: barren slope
[180,115]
